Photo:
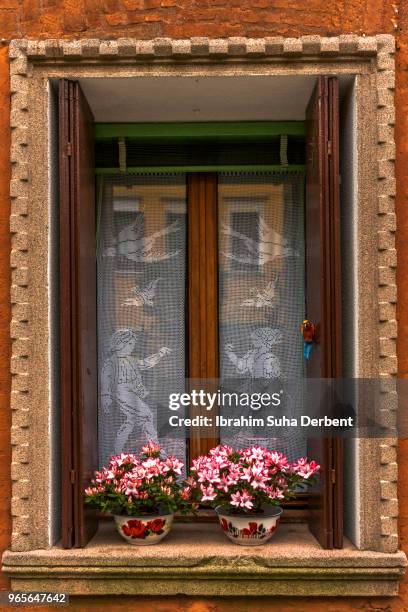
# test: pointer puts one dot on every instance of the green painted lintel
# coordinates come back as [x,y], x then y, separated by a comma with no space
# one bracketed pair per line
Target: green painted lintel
[182,169]
[199,131]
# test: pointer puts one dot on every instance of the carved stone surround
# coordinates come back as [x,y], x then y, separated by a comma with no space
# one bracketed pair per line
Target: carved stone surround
[32,63]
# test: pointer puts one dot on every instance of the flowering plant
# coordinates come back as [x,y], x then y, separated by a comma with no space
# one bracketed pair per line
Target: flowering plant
[135,485]
[242,481]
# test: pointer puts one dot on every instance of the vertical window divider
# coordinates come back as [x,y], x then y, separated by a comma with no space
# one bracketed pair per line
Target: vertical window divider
[202,296]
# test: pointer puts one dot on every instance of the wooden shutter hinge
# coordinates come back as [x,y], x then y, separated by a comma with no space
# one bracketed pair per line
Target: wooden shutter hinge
[68,149]
[333,476]
[72,476]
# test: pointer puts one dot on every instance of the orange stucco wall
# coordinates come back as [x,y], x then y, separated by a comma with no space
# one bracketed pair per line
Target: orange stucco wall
[214,18]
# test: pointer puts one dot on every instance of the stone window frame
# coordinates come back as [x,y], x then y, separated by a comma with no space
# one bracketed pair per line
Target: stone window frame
[32,191]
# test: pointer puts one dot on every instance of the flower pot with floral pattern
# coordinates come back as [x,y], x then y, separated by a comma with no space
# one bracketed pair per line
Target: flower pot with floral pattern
[250,529]
[144,530]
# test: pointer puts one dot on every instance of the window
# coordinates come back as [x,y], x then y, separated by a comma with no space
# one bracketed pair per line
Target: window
[161,241]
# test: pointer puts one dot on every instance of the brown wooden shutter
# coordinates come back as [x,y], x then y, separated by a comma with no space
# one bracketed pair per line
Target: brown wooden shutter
[77,311]
[323,299]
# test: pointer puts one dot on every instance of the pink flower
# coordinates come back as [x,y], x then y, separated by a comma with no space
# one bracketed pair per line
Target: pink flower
[256,471]
[258,477]
[221,451]
[255,453]
[225,484]
[109,474]
[220,462]
[209,474]
[221,455]
[131,490]
[133,483]
[242,500]
[208,493]
[174,464]
[122,459]
[302,468]
[91,491]
[281,482]
[191,482]
[185,494]
[277,460]
[274,493]
[151,449]
[153,467]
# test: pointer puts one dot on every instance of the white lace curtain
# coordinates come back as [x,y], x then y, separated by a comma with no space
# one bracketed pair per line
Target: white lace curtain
[141,261]
[262,288]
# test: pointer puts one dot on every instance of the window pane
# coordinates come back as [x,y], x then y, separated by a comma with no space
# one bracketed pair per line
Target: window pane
[261,289]
[141,307]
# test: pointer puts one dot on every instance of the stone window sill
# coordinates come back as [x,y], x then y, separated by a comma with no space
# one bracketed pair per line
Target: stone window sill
[197,559]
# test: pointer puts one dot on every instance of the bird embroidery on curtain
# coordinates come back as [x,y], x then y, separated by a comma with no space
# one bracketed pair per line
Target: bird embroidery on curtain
[262,298]
[270,246]
[143,295]
[133,244]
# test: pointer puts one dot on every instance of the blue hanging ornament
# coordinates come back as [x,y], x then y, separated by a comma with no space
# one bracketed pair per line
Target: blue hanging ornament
[308,330]
[307,349]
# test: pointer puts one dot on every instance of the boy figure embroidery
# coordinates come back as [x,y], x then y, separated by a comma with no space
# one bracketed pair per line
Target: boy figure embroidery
[122,385]
[258,362]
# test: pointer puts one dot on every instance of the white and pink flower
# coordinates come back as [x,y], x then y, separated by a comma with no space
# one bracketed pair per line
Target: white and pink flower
[305,469]
[151,449]
[131,483]
[242,499]
[248,478]
[208,493]
[172,463]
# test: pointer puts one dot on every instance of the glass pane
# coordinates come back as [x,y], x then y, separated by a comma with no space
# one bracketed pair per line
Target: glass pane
[141,258]
[261,288]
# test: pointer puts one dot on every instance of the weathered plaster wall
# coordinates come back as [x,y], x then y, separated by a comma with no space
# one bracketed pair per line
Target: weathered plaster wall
[183,18]
[5,383]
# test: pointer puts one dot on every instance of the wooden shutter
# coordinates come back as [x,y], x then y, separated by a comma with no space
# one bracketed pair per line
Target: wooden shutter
[77,311]
[323,299]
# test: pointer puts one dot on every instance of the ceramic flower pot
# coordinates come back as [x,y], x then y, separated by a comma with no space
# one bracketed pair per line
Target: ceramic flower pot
[144,530]
[250,529]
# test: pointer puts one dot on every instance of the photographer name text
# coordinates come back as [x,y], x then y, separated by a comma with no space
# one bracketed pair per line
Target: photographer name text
[250,421]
